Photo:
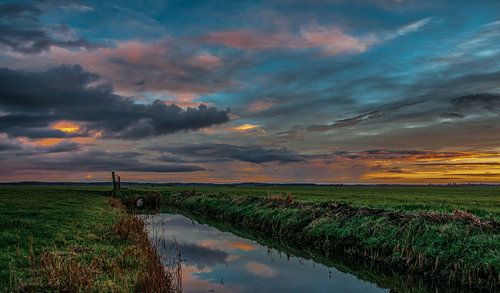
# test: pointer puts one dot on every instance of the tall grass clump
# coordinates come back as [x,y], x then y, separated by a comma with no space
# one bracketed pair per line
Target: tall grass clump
[154,277]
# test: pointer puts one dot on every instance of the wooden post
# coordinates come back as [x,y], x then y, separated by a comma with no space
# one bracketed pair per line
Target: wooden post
[114,184]
[119,183]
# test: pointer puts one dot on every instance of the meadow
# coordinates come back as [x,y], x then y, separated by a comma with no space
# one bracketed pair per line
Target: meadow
[483,201]
[76,237]
[72,239]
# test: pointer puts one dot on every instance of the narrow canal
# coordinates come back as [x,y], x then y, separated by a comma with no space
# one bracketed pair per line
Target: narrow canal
[218,261]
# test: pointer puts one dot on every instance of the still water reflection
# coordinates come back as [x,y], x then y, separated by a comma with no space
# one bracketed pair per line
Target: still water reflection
[217,261]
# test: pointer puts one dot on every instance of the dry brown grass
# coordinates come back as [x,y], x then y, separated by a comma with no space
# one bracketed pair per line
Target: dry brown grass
[281,199]
[154,276]
[137,268]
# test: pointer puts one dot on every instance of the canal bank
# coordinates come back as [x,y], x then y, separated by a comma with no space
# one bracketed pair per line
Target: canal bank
[452,250]
[217,260]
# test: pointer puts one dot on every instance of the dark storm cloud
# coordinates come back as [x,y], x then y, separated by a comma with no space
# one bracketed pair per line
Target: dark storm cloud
[12,150]
[34,100]
[203,153]
[252,154]
[8,146]
[65,146]
[13,10]
[343,122]
[386,154]
[352,121]
[104,161]
[70,159]
[22,31]
[485,100]
[19,131]
[35,40]
[452,115]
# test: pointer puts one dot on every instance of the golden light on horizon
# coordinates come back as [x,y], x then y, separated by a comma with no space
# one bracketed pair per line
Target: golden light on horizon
[245,127]
[243,246]
[66,126]
[48,141]
[462,168]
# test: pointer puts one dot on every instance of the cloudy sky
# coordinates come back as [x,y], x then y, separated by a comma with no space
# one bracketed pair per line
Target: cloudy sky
[361,91]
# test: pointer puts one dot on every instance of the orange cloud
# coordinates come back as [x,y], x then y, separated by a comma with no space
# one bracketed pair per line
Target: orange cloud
[48,141]
[244,127]
[149,67]
[247,39]
[243,246]
[206,60]
[332,41]
[226,245]
[66,126]
[262,105]
[261,270]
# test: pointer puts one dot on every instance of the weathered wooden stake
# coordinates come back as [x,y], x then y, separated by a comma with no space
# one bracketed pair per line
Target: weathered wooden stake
[114,184]
[119,182]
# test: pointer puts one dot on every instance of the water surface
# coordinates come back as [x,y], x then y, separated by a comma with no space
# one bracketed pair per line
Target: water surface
[217,261]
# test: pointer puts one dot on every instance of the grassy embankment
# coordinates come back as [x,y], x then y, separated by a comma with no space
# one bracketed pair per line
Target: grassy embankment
[383,277]
[483,201]
[71,239]
[414,236]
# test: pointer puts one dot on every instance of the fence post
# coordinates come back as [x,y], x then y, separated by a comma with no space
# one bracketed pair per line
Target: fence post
[114,184]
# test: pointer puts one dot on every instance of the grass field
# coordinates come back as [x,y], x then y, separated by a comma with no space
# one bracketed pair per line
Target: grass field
[76,226]
[484,201]
[65,238]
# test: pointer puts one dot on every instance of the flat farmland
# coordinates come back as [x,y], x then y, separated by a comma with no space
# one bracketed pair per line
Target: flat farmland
[483,201]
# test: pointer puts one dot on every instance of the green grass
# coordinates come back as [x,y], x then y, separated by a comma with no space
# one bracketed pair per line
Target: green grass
[440,247]
[483,201]
[67,220]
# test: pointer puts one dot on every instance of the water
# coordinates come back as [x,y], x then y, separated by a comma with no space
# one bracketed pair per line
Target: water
[217,261]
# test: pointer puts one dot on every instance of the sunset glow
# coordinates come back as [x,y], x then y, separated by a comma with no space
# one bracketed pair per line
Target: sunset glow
[201,132]
[324,91]
[245,127]
[66,126]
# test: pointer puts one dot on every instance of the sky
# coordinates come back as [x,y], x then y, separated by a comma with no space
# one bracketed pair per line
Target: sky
[333,91]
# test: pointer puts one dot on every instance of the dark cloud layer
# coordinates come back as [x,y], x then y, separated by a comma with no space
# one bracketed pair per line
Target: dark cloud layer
[258,155]
[10,149]
[351,121]
[21,10]
[69,159]
[7,146]
[252,154]
[21,31]
[487,101]
[398,154]
[34,100]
